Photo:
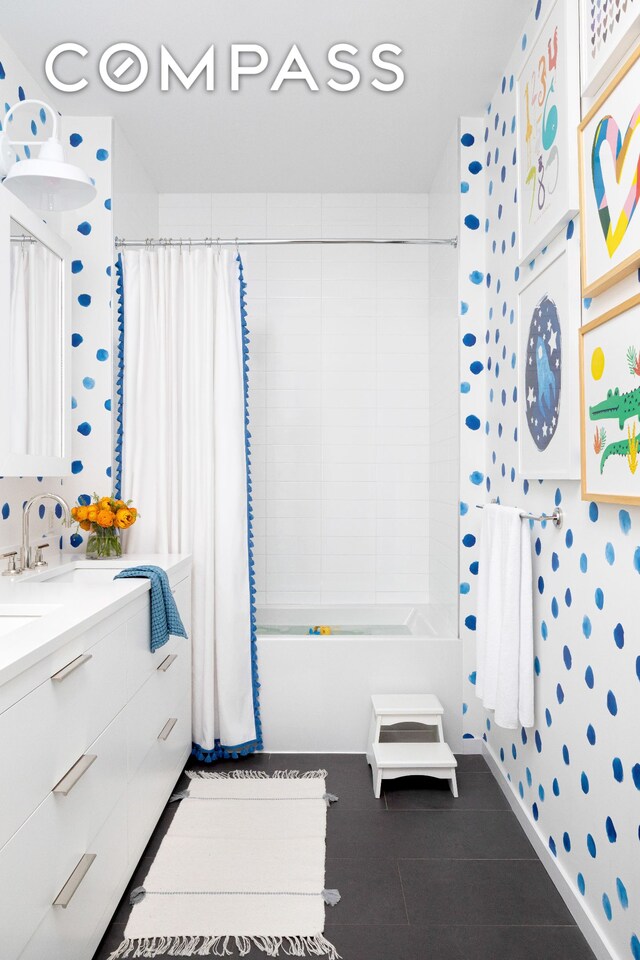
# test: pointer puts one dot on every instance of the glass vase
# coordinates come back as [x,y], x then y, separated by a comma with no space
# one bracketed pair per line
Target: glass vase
[104,544]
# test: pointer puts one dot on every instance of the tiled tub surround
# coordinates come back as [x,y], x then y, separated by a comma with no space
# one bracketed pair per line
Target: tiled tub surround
[94,731]
[339,392]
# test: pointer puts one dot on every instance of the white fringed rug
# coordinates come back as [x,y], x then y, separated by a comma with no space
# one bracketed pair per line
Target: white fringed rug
[242,865]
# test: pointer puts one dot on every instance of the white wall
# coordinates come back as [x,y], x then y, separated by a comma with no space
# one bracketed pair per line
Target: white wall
[339,390]
[135,207]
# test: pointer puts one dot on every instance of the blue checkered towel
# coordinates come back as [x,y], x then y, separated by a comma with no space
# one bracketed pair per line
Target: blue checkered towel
[165,619]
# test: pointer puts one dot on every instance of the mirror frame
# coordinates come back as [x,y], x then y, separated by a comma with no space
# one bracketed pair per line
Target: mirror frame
[34,465]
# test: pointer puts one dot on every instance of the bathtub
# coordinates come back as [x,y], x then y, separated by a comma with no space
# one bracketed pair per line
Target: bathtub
[315,691]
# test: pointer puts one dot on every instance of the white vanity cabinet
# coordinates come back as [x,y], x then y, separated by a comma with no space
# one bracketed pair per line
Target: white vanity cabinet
[92,741]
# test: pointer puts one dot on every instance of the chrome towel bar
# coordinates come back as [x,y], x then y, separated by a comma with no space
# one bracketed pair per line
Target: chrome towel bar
[556,518]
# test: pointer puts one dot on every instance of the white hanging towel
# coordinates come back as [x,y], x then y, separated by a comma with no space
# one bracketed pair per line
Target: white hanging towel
[504,675]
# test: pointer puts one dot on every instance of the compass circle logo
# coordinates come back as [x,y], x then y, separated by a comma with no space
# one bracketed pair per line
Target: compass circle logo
[116,65]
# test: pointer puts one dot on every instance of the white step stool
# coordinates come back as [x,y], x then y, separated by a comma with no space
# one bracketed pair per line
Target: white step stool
[392,760]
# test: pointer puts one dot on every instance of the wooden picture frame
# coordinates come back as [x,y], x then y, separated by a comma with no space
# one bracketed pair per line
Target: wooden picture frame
[610,240]
[549,314]
[607,31]
[548,112]
[610,405]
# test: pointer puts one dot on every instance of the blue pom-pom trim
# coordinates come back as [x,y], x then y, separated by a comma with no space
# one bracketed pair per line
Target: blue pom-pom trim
[222,751]
[117,486]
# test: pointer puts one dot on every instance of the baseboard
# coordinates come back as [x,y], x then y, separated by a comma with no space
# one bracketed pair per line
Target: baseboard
[582,915]
[468,747]
[314,753]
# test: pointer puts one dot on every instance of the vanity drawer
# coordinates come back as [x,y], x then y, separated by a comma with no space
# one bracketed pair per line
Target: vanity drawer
[154,780]
[141,662]
[93,784]
[182,596]
[36,862]
[71,933]
[49,729]
[164,690]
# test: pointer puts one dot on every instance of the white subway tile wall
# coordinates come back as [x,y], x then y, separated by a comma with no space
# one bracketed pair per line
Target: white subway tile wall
[339,393]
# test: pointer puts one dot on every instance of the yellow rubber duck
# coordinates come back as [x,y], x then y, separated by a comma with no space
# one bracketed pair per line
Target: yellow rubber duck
[321,631]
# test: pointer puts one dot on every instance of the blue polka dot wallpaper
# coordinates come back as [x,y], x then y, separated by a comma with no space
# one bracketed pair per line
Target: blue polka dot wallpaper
[88,141]
[473,396]
[576,775]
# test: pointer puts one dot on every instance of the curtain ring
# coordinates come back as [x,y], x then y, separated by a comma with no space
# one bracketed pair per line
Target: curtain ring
[237,247]
[219,246]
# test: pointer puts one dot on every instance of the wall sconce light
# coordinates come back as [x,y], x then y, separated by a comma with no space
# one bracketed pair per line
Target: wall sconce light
[46,182]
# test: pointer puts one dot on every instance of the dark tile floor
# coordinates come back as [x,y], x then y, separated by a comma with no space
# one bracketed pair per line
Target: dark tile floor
[422,876]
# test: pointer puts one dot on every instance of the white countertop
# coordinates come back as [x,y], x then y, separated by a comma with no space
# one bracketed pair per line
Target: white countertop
[72,607]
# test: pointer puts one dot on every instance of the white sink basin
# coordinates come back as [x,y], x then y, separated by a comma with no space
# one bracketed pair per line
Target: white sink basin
[85,575]
[87,572]
[14,615]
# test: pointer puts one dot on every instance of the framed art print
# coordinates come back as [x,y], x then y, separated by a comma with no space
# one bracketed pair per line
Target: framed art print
[609,182]
[610,405]
[548,112]
[607,30]
[549,311]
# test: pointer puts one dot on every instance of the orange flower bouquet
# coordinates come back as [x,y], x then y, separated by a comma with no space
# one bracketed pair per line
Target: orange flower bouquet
[105,517]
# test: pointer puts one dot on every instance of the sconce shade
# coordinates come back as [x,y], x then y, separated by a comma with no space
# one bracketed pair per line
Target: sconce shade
[48,182]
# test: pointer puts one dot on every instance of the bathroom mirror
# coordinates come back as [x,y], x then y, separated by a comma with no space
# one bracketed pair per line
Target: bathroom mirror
[34,362]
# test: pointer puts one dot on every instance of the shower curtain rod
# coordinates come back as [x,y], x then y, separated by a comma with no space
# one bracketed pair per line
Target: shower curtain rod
[216,241]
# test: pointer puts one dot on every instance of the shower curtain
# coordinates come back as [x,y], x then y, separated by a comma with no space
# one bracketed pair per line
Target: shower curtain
[184,460]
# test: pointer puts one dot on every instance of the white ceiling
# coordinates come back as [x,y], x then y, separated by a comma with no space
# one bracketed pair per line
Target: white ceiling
[293,140]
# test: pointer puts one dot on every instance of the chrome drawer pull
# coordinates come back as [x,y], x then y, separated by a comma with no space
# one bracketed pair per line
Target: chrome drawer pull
[168,727]
[64,897]
[166,663]
[72,776]
[70,667]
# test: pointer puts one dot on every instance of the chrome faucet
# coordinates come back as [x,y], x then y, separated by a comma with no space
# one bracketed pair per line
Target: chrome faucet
[26,557]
